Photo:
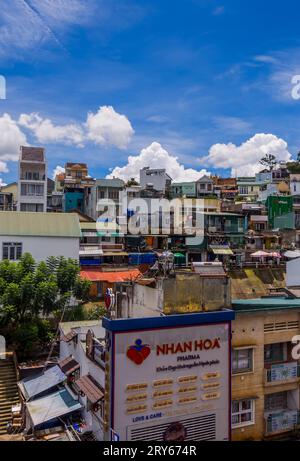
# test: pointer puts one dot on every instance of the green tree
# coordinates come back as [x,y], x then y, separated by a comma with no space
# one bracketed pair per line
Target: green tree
[29,292]
[269,161]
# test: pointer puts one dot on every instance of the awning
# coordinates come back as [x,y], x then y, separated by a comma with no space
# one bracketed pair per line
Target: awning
[222,250]
[68,365]
[90,251]
[260,254]
[292,254]
[32,387]
[110,277]
[259,219]
[89,234]
[51,407]
[89,389]
[69,337]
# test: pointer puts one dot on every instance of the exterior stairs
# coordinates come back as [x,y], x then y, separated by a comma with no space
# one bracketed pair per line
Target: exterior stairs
[9,395]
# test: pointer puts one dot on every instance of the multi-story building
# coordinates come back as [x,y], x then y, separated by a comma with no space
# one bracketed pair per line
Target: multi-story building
[204,187]
[225,188]
[74,183]
[32,182]
[7,201]
[249,188]
[158,178]
[265,376]
[104,189]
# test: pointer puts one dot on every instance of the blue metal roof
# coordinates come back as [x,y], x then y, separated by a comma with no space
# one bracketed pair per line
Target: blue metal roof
[51,407]
[168,321]
[32,387]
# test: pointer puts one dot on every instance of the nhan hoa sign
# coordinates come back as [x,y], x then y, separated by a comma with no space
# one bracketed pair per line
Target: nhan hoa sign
[191,346]
[170,372]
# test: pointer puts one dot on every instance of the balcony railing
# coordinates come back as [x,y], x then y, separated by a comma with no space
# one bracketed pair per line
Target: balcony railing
[283,372]
[282,421]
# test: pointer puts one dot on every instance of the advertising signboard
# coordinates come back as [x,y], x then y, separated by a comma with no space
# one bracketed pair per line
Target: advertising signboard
[171,383]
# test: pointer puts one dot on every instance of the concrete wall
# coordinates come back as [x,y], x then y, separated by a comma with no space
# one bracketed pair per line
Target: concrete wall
[293,273]
[141,301]
[87,366]
[192,293]
[248,331]
[43,247]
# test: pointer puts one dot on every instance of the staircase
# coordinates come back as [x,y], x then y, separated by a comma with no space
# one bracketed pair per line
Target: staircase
[9,395]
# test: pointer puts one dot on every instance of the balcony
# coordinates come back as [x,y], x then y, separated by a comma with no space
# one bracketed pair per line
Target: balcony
[282,421]
[282,373]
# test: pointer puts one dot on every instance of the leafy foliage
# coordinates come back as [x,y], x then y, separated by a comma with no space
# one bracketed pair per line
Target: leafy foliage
[30,292]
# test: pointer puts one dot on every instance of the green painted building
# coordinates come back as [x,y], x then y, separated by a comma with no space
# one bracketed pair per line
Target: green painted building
[281,212]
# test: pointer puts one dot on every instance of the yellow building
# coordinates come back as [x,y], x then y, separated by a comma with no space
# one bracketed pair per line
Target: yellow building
[265,377]
[11,188]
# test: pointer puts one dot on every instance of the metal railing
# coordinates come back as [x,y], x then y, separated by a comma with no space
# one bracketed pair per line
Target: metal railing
[282,421]
[283,372]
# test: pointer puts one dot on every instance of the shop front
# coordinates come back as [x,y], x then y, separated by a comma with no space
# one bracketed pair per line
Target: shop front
[168,379]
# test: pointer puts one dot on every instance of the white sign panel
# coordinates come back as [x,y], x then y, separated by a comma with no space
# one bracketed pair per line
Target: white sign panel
[172,384]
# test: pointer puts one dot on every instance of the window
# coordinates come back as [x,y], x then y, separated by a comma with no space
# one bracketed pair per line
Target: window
[113,194]
[32,189]
[242,361]
[243,190]
[274,353]
[12,251]
[242,412]
[276,401]
[32,207]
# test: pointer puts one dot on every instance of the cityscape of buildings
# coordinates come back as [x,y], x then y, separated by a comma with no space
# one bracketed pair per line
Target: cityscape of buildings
[184,337]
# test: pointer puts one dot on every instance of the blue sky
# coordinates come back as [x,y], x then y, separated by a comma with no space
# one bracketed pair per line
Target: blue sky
[193,85]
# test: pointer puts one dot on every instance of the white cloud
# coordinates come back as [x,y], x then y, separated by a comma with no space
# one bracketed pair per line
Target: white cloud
[46,132]
[107,127]
[28,24]
[232,125]
[58,170]
[11,138]
[155,156]
[244,160]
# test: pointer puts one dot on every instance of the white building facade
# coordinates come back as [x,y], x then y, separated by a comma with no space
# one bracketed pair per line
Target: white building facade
[32,181]
[40,234]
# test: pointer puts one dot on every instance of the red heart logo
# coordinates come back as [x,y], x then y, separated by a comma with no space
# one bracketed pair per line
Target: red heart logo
[145,352]
[138,354]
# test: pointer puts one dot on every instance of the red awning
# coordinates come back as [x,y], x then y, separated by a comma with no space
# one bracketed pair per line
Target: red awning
[110,277]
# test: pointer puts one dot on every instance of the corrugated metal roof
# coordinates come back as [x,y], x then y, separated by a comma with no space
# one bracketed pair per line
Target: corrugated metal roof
[88,226]
[39,224]
[53,406]
[110,182]
[89,388]
[32,387]
[68,365]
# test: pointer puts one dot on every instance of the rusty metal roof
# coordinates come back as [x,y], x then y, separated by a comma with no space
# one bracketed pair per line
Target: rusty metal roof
[87,386]
[68,365]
